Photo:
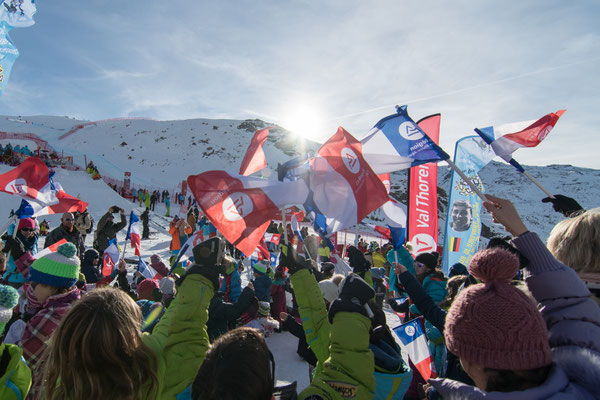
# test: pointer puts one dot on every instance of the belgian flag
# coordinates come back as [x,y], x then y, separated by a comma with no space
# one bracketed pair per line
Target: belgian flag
[454,244]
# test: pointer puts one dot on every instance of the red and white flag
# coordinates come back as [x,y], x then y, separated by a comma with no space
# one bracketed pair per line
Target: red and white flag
[32,181]
[134,233]
[242,207]
[50,249]
[344,187]
[254,160]
[273,238]
[505,139]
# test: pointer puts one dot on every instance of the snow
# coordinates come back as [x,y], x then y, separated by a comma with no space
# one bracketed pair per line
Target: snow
[160,154]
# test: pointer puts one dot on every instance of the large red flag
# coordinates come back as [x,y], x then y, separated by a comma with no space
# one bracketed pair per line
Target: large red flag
[242,207]
[254,160]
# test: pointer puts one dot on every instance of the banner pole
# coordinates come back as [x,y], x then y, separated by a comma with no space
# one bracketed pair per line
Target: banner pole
[467,180]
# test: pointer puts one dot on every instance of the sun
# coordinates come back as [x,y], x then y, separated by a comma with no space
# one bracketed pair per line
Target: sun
[304,120]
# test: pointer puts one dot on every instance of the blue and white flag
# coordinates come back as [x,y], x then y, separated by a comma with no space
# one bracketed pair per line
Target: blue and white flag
[396,142]
[146,270]
[463,222]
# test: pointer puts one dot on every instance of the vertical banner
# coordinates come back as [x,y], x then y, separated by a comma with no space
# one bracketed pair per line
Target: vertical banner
[422,199]
[127,181]
[463,222]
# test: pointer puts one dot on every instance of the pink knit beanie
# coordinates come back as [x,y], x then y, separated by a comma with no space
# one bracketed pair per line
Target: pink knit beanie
[494,324]
[145,289]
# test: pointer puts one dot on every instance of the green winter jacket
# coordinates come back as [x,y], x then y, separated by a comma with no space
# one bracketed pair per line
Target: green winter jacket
[344,362]
[180,340]
[15,380]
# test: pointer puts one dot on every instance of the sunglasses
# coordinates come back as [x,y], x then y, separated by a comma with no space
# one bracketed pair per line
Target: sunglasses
[27,229]
[68,219]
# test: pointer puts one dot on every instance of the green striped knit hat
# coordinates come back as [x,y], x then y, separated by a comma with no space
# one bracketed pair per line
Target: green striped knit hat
[9,298]
[59,269]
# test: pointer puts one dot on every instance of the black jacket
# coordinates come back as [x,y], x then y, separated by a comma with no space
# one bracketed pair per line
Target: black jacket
[107,230]
[221,312]
[60,233]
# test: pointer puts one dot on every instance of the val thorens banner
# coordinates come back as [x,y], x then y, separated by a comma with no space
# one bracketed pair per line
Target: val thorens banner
[422,201]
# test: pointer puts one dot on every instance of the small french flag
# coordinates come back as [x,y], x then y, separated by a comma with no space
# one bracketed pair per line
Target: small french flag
[146,270]
[133,233]
[414,342]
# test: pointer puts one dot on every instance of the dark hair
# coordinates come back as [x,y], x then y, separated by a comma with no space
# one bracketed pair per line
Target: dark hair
[237,366]
[501,380]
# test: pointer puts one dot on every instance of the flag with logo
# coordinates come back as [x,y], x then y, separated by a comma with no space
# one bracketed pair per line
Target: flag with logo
[414,343]
[193,240]
[273,238]
[463,221]
[242,207]
[255,160]
[396,142]
[110,257]
[133,233]
[32,180]
[343,187]
[506,139]
[422,196]
[146,270]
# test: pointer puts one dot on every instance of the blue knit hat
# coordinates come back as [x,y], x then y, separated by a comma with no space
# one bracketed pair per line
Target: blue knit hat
[59,269]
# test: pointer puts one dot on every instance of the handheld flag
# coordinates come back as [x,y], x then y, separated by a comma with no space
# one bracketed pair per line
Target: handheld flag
[414,343]
[110,257]
[242,207]
[294,169]
[196,238]
[296,228]
[254,160]
[133,233]
[343,187]
[146,270]
[506,139]
[50,249]
[396,142]
[273,238]
[33,182]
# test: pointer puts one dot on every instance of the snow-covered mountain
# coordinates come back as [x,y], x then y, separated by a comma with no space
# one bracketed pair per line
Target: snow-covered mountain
[160,154]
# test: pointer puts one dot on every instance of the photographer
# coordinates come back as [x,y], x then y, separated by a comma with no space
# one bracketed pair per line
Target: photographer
[107,229]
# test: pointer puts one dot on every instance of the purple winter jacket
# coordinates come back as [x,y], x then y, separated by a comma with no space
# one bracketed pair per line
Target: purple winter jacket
[573,321]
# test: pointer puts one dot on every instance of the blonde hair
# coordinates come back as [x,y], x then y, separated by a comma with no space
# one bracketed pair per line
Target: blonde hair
[97,351]
[576,241]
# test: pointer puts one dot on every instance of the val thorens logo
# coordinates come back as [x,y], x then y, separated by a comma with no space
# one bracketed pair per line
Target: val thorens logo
[544,132]
[410,131]
[18,186]
[350,160]
[237,206]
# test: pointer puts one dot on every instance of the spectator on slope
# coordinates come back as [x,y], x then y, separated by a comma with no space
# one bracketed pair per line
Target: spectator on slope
[53,279]
[152,200]
[107,229]
[159,266]
[262,280]
[179,230]
[231,284]
[192,219]
[66,230]
[221,313]
[44,228]
[278,299]
[168,205]
[147,196]
[145,217]
[84,222]
[263,320]
[24,242]
[509,344]
[140,196]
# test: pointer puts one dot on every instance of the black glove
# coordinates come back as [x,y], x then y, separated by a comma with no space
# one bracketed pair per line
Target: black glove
[357,260]
[290,259]
[563,204]
[209,272]
[354,294]
[13,245]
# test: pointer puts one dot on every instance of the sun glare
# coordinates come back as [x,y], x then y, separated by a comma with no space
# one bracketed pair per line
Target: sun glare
[304,121]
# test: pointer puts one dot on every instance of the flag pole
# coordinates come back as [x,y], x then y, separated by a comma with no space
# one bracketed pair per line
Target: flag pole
[519,168]
[467,180]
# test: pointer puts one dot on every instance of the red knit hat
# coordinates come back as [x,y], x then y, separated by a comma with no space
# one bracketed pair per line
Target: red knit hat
[493,323]
[145,289]
[26,223]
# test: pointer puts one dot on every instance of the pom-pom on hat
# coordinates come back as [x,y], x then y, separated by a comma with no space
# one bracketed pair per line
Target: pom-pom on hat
[59,269]
[9,298]
[26,223]
[494,324]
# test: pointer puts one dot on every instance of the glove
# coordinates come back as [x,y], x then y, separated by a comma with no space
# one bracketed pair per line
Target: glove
[290,259]
[13,245]
[563,204]
[209,272]
[354,294]
[357,260]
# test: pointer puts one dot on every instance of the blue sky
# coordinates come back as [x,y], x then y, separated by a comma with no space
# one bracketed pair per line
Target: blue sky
[312,66]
